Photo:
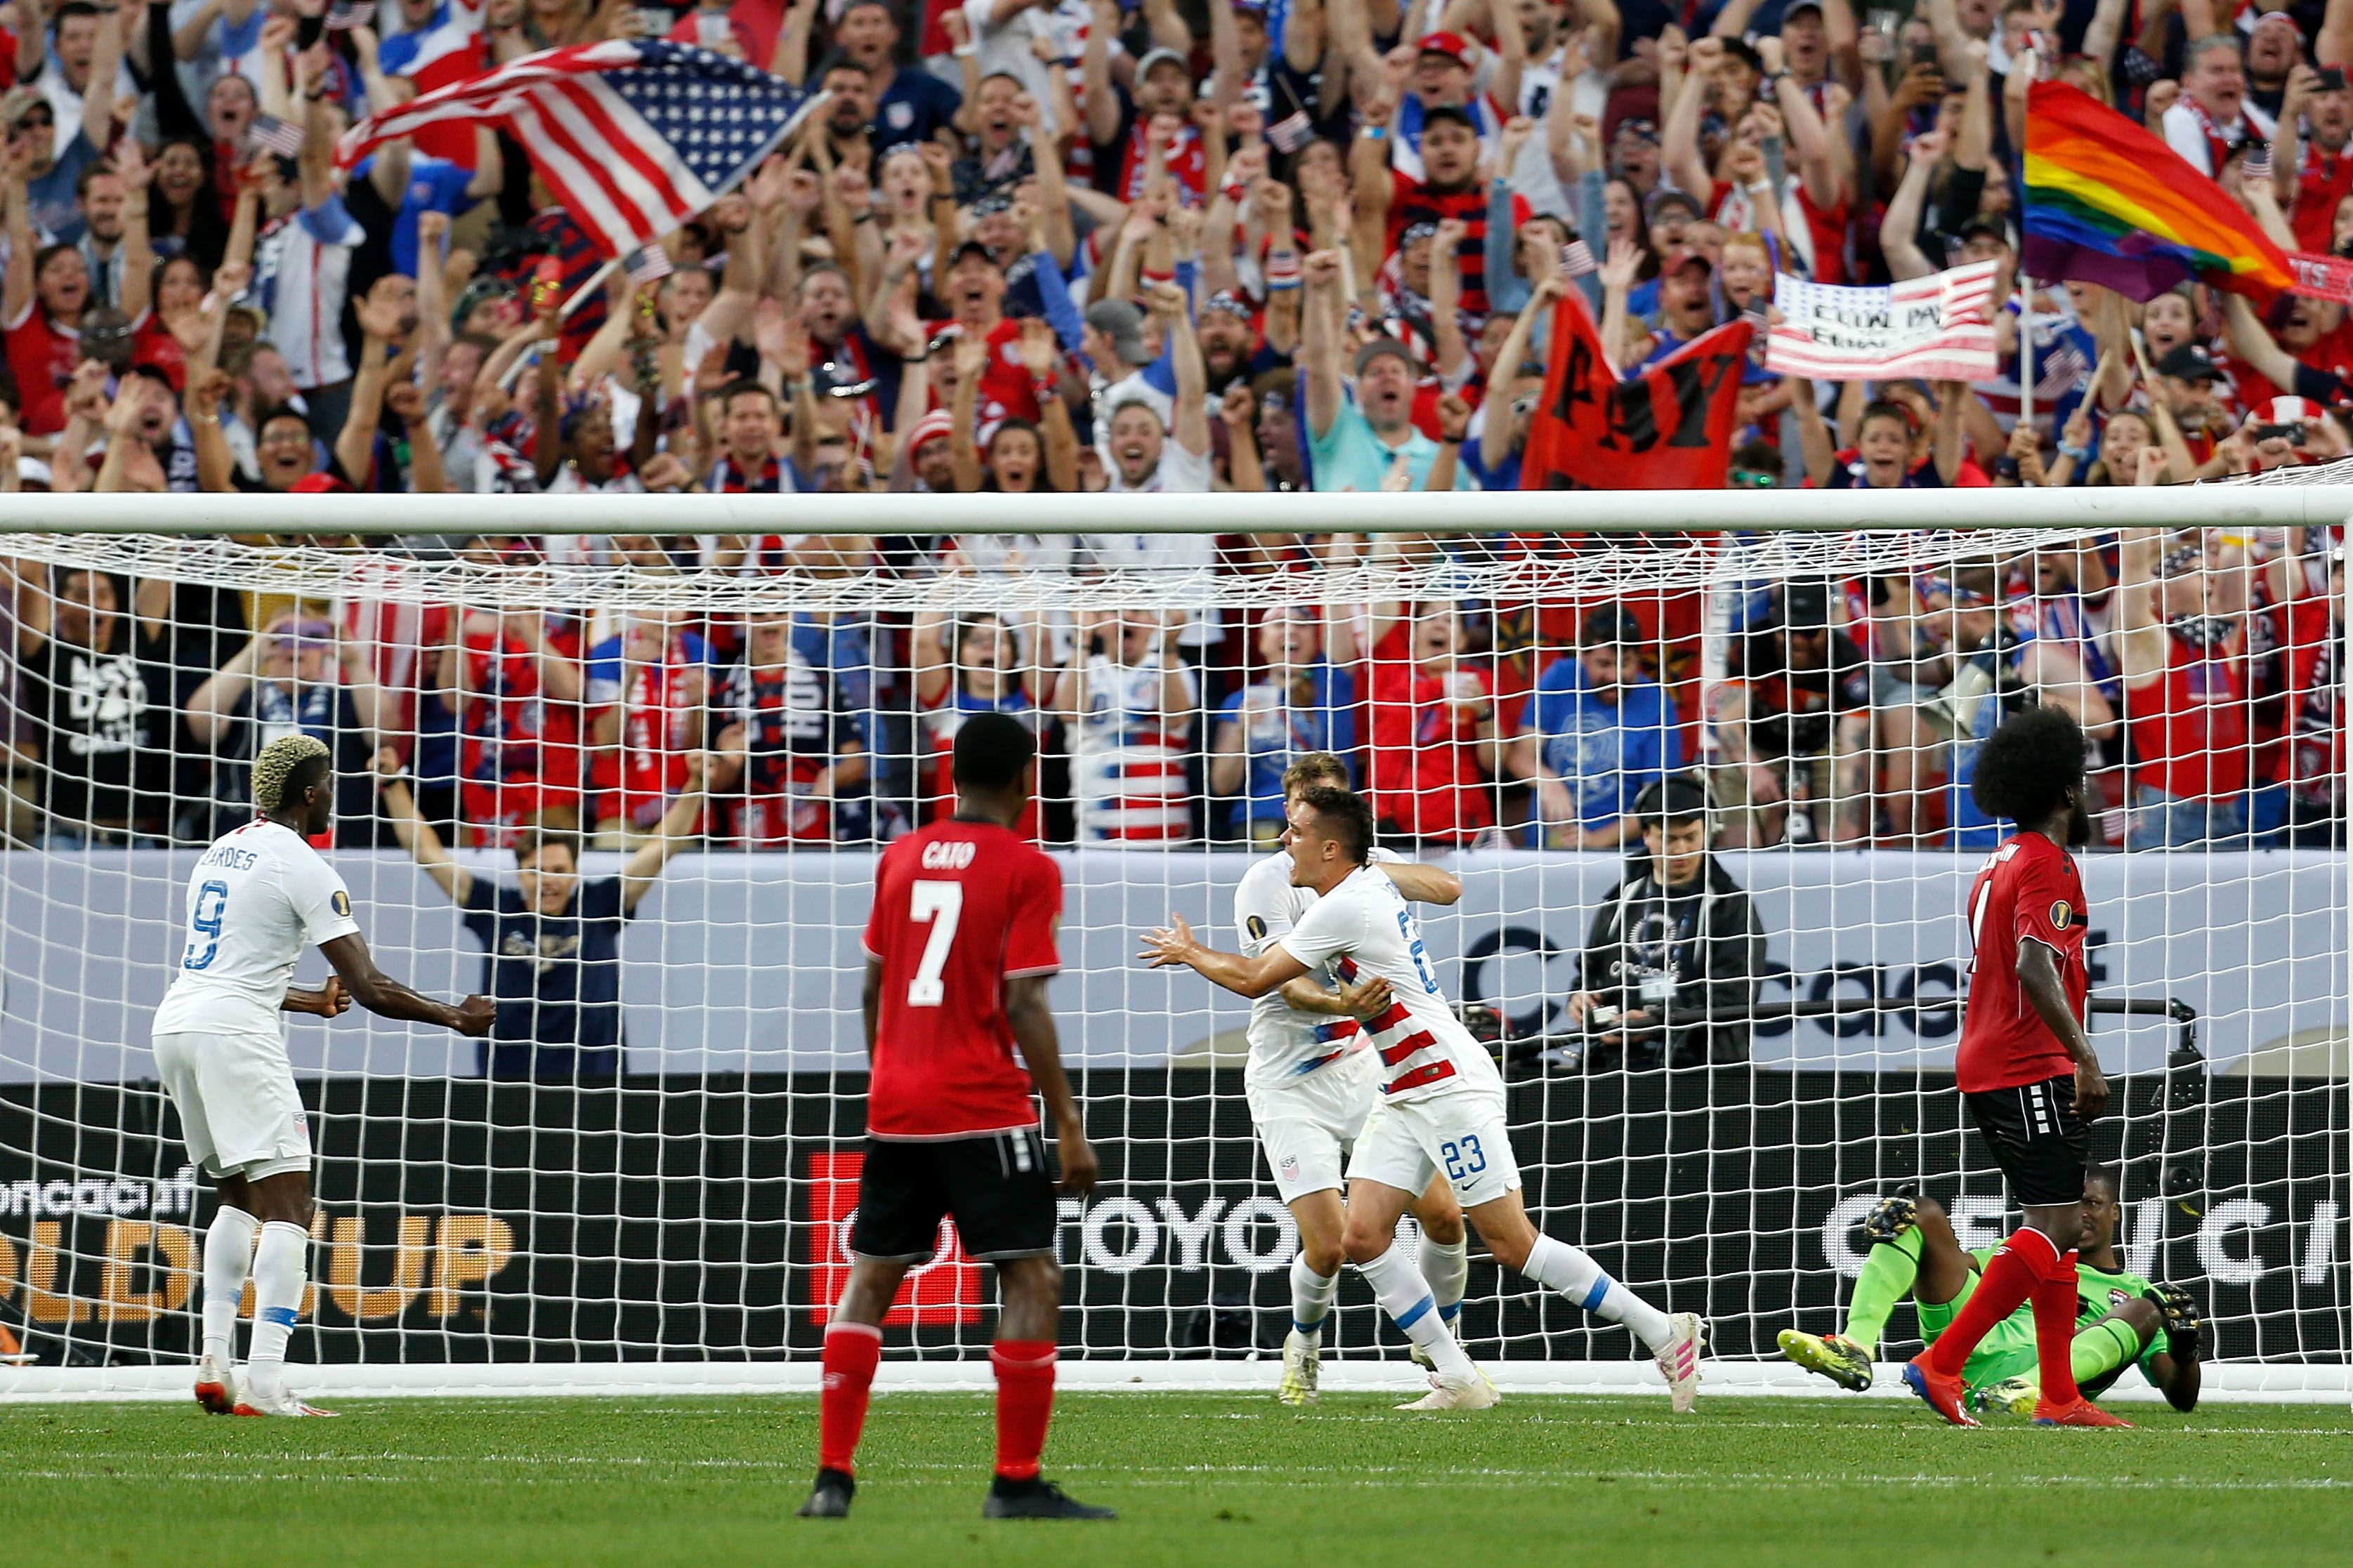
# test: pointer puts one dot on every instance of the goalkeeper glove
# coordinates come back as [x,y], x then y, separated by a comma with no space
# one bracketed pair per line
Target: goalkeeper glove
[1889,1218]
[2182,1324]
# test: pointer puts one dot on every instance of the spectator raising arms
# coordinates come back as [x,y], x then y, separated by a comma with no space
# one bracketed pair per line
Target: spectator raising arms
[552,943]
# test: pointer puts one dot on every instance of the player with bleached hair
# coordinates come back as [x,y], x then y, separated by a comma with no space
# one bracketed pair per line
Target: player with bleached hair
[1311,1082]
[1441,1111]
[257,897]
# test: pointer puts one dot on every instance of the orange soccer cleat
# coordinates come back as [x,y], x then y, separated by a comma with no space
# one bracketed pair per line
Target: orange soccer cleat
[1940,1394]
[2082,1413]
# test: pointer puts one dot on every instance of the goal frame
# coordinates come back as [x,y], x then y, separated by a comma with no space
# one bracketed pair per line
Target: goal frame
[1583,512]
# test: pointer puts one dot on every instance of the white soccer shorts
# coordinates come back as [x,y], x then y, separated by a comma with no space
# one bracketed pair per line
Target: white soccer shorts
[1461,1135]
[1307,1124]
[240,1113]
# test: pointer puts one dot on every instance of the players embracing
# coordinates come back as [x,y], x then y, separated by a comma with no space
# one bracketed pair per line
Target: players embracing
[1311,1081]
[1442,1106]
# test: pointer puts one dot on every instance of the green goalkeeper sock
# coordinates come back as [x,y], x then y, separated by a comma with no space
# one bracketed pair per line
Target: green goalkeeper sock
[2104,1347]
[1887,1274]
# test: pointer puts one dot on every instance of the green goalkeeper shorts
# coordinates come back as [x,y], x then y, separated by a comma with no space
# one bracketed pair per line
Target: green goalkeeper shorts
[2008,1350]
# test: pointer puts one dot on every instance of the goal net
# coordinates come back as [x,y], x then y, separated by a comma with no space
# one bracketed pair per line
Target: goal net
[646,1177]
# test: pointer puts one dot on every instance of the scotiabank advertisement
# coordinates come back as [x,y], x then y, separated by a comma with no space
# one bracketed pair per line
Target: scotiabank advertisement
[708,1219]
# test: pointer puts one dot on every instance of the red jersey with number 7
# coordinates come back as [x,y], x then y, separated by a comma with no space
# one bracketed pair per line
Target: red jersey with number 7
[960,907]
[2029,891]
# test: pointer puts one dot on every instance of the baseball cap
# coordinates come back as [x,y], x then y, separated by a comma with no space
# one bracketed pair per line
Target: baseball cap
[1806,606]
[1675,260]
[1384,345]
[1677,797]
[1662,199]
[1453,46]
[1161,57]
[974,247]
[2188,362]
[1226,301]
[1634,125]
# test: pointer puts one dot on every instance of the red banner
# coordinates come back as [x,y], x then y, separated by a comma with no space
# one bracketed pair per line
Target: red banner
[944,1290]
[2322,277]
[1667,428]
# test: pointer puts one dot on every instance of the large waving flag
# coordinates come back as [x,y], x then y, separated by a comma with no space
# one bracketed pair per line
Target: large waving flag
[633,137]
[2109,203]
[447,49]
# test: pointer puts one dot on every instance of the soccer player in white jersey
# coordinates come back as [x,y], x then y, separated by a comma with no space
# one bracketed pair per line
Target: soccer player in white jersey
[256,900]
[1441,1108]
[1312,1081]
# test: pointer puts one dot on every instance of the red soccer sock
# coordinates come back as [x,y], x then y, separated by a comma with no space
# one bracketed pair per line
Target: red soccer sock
[2054,1332]
[852,1353]
[1024,1402]
[2010,1278]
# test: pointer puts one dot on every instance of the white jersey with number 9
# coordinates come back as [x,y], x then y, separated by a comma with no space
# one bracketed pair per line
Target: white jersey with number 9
[257,897]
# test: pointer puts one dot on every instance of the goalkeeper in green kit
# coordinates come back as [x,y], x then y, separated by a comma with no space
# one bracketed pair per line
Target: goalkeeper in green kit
[2122,1319]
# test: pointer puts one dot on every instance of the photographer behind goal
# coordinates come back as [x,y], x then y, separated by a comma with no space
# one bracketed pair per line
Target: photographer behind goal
[1675,939]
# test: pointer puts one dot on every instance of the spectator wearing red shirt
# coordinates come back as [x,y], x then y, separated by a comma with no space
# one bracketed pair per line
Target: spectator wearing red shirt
[647,689]
[1435,742]
[2180,649]
[1448,190]
[515,693]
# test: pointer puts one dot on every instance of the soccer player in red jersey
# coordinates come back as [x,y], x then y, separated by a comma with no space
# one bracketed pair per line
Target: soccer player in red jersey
[959,948]
[2025,1067]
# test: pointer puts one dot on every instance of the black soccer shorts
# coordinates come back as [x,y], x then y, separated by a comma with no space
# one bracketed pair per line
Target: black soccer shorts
[997,1185]
[2038,1140]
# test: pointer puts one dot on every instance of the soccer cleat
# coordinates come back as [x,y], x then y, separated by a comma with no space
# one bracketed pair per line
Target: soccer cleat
[2082,1413]
[1302,1366]
[2013,1395]
[829,1498]
[1679,1361]
[1477,1393]
[216,1387]
[1941,1395]
[1829,1355]
[1036,1499]
[253,1403]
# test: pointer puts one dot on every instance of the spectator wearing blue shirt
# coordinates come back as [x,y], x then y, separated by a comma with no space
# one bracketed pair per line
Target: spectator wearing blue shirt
[411,185]
[1298,704]
[1355,441]
[909,105]
[1597,733]
[551,945]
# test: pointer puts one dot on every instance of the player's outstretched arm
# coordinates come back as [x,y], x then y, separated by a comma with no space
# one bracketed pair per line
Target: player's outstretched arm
[331,1000]
[2038,980]
[387,998]
[1032,1023]
[1172,946]
[1423,884]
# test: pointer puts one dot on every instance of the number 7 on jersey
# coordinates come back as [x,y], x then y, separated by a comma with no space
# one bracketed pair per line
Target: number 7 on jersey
[941,905]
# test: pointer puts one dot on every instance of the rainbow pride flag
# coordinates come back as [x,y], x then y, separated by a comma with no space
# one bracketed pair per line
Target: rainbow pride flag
[2108,202]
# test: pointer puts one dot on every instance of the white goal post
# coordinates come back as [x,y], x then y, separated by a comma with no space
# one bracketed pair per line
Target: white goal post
[660,1207]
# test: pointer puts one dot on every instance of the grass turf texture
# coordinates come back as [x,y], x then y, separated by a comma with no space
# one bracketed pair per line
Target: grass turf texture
[1197,1478]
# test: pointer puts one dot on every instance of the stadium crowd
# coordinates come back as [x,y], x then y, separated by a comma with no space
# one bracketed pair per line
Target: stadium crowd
[1032,245]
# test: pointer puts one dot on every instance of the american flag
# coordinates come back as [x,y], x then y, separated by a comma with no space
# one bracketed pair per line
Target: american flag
[282,137]
[647,264]
[633,137]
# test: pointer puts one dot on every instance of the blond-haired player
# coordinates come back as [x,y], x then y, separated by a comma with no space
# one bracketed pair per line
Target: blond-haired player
[258,896]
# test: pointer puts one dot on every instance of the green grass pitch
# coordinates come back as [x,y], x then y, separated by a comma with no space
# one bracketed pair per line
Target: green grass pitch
[1198,1479]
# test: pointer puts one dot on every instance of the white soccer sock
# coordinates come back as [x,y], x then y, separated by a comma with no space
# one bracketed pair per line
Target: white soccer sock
[1311,1296]
[228,1248]
[1405,1296]
[279,1265]
[1447,1266]
[1572,1272]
